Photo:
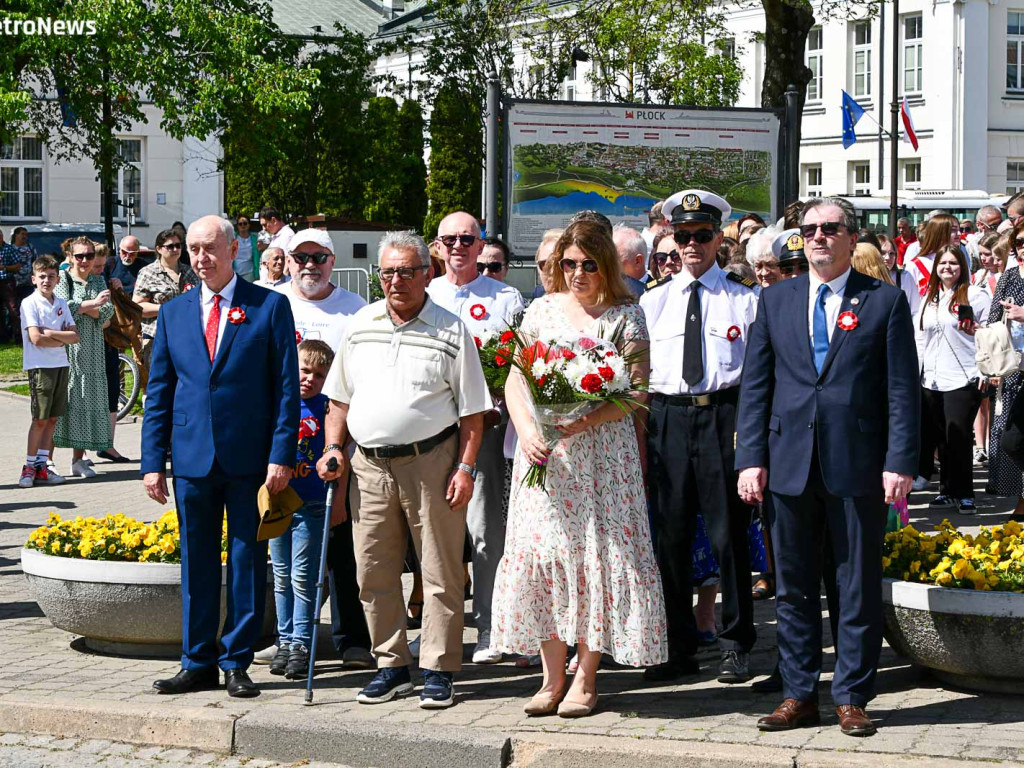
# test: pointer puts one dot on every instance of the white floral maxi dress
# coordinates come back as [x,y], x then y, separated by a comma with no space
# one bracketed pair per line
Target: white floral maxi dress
[578,564]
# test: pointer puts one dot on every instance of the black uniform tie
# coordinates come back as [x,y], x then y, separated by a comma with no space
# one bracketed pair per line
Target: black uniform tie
[693,341]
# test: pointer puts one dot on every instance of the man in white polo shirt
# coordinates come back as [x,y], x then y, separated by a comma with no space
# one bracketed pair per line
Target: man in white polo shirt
[407,387]
[482,303]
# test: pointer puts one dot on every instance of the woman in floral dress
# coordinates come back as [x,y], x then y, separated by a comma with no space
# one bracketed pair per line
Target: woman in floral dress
[578,566]
[85,426]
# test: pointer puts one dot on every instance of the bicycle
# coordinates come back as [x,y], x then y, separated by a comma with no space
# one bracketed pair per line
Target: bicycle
[128,376]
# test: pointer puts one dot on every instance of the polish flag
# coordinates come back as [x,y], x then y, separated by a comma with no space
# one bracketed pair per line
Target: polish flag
[909,134]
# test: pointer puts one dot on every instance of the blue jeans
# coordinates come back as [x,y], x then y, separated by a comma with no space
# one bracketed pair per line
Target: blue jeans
[296,558]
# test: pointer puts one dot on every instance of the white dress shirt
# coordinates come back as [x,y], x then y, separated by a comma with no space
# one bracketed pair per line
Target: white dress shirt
[724,304]
[227,295]
[945,353]
[919,277]
[833,302]
[282,239]
[482,304]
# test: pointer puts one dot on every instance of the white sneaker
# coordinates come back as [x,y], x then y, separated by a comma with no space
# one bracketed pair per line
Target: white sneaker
[414,647]
[920,483]
[81,469]
[980,456]
[47,476]
[87,462]
[264,656]
[484,654]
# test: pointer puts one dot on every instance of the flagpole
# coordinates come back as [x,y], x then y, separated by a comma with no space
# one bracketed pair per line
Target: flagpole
[894,167]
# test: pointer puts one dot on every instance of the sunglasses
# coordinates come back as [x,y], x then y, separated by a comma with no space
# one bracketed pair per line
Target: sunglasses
[465,240]
[317,258]
[541,265]
[84,256]
[494,267]
[569,265]
[789,269]
[171,246]
[664,258]
[828,229]
[404,273]
[1019,243]
[701,236]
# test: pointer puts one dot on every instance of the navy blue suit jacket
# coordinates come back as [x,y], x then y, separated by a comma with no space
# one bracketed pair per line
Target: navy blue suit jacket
[243,409]
[863,408]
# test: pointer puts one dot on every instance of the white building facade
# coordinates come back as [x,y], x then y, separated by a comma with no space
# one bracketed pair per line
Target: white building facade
[961,69]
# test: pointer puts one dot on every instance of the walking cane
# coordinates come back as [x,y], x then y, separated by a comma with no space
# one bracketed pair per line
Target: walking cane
[332,466]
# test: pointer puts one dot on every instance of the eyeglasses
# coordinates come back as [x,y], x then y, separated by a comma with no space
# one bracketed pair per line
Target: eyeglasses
[494,267]
[828,229]
[171,246]
[570,265]
[663,258]
[317,258]
[702,236]
[128,253]
[465,240]
[798,268]
[84,256]
[405,273]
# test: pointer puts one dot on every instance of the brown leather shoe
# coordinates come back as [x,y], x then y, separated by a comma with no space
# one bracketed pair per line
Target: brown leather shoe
[854,721]
[791,714]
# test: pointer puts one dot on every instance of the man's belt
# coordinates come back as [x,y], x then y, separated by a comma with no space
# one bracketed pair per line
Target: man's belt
[412,449]
[730,395]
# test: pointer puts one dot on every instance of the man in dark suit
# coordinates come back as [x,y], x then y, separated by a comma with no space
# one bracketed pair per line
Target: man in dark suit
[828,417]
[224,396]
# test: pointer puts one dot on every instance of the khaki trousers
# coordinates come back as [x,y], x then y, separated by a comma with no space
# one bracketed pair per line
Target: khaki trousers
[392,498]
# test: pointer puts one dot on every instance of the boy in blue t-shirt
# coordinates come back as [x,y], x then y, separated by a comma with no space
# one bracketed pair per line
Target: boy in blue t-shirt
[296,553]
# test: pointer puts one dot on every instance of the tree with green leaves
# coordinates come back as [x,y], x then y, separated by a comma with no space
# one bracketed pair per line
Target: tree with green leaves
[456,156]
[414,172]
[382,186]
[192,59]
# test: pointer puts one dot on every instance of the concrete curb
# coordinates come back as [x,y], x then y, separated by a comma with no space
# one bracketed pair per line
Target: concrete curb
[196,728]
[284,736]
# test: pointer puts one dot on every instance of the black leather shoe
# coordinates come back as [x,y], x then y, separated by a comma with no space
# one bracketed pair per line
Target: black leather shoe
[771,684]
[672,670]
[239,684]
[187,680]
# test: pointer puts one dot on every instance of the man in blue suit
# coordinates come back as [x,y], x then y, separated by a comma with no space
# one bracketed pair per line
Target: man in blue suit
[828,418]
[224,396]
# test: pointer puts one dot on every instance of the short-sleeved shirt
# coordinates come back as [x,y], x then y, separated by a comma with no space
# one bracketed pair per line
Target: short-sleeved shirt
[25,255]
[8,258]
[482,304]
[37,312]
[305,480]
[282,239]
[406,383]
[725,305]
[155,284]
[325,319]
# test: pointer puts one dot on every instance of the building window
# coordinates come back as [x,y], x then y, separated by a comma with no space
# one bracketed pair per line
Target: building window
[1014,50]
[911,176]
[358,250]
[814,63]
[1014,177]
[812,181]
[861,176]
[913,35]
[21,179]
[537,80]
[862,59]
[128,182]
[570,84]
[727,47]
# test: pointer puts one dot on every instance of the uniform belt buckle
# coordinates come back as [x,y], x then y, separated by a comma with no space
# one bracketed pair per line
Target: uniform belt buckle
[702,400]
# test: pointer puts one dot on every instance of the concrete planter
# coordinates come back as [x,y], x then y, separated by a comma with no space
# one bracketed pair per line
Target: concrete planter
[129,609]
[969,639]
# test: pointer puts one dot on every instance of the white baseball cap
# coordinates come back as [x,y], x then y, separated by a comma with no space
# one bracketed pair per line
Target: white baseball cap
[316,236]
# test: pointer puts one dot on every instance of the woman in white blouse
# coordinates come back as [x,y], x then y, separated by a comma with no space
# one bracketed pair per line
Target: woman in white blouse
[951,387]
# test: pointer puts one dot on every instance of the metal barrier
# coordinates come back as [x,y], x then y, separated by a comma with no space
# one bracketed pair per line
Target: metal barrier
[354,279]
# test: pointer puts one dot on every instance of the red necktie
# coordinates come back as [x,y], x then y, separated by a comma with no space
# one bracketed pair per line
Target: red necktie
[212,326]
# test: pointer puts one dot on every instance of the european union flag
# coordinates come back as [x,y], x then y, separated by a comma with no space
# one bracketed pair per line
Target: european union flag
[851,114]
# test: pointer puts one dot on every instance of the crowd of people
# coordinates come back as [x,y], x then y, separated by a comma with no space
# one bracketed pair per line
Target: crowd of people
[805,373]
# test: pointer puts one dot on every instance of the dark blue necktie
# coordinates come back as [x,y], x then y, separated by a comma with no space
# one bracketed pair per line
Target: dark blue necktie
[820,328]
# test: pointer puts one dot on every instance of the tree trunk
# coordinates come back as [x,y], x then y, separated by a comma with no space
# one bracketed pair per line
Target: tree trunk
[787,23]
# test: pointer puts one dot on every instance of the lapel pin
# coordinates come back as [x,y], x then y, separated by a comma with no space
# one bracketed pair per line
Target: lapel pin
[855,301]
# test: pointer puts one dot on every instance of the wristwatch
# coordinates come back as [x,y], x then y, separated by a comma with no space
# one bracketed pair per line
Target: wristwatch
[334,447]
[469,469]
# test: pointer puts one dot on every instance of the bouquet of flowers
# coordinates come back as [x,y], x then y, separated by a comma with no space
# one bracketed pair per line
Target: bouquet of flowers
[496,350]
[567,379]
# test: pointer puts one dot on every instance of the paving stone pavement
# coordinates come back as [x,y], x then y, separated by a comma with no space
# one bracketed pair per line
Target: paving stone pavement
[47,672]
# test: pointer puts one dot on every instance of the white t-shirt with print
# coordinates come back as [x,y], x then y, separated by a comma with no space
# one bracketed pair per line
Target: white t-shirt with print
[325,319]
[37,312]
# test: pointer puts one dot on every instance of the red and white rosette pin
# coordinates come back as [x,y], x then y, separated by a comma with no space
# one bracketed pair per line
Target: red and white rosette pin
[298,337]
[733,333]
[847,321]
[236,315]
[954,308]
[478,311]
[188,287]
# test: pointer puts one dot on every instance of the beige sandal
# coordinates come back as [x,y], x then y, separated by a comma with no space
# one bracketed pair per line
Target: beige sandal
[544,703]
[573,708]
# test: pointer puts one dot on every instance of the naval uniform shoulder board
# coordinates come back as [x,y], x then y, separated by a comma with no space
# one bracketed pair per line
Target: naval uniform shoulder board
[657,283]
[740,279]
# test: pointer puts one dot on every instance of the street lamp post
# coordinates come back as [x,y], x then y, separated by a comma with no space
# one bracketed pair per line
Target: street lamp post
[894,167]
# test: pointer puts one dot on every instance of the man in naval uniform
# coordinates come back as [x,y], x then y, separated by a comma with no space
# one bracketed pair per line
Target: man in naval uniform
[697,321]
